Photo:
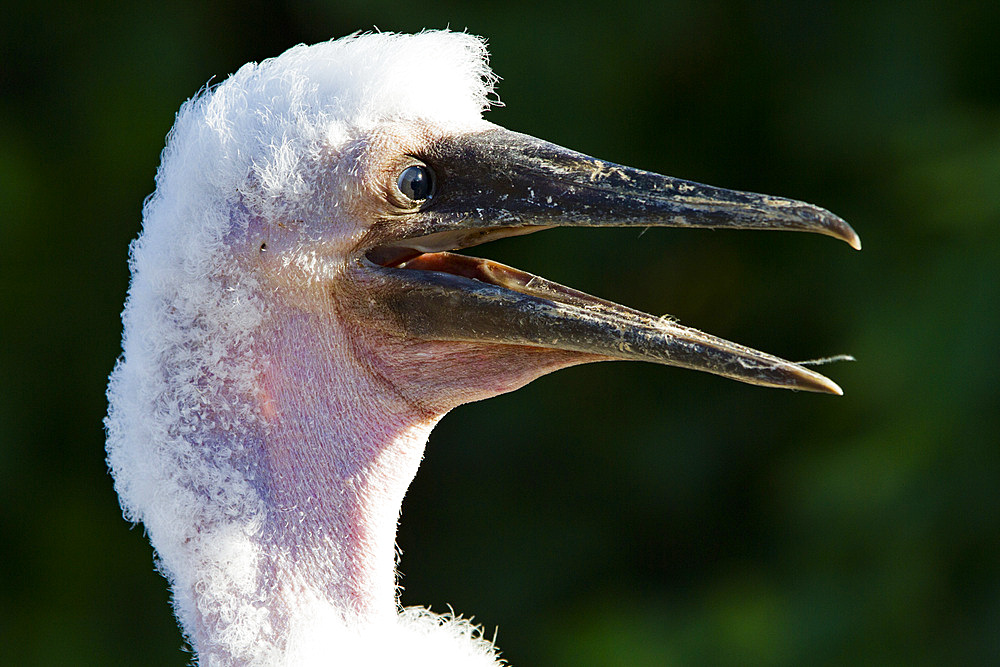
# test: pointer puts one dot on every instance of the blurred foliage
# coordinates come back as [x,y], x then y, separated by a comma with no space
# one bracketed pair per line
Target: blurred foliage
[612,514]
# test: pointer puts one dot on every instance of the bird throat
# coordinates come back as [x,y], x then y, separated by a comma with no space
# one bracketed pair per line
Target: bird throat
[329,463]
[340,451]
[344,417]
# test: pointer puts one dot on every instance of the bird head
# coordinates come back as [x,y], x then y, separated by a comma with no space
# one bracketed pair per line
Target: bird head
[341,187]
[299,318]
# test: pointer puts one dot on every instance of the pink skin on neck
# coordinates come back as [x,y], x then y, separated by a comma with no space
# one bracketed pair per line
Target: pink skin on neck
[349,415]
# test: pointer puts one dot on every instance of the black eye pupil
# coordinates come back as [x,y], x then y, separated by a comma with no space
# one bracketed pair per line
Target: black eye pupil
[416,182]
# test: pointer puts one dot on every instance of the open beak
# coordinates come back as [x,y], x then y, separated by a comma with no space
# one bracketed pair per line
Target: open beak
[498,183]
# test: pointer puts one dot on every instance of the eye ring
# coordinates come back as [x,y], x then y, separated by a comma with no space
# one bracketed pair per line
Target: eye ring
[416,182]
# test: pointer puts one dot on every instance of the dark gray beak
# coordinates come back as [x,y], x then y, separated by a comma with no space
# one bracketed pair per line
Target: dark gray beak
[498,183]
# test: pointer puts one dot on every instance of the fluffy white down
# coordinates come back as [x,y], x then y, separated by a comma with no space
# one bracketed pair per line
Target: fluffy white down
[419,639]
[182,422]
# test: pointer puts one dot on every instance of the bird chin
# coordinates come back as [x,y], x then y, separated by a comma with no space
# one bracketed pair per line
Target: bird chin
[441,375]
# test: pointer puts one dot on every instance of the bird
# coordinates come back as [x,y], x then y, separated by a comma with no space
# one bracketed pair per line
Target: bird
[299,319]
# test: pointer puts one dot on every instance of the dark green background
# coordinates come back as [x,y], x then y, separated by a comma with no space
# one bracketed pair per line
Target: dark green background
[611,514]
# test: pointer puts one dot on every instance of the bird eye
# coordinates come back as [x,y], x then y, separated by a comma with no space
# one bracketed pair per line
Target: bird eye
[416,182]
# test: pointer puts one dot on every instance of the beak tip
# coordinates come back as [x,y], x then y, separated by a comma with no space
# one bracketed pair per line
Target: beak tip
[839,228]
[822,385]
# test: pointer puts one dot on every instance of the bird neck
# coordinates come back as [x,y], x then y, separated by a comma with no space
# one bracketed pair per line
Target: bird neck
[337,448]
[342,415]
[334,493]
[341,448]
